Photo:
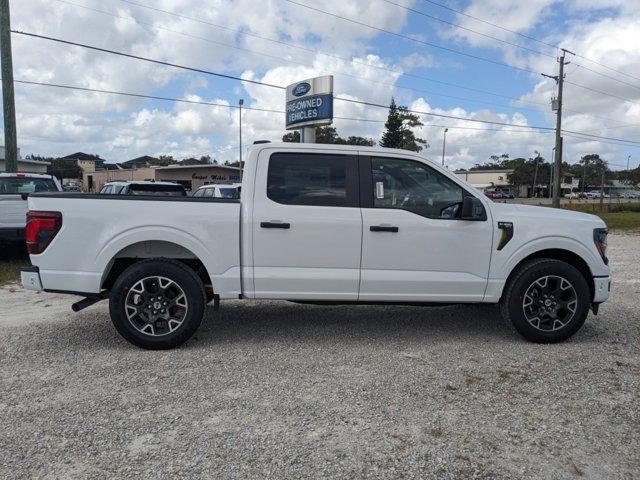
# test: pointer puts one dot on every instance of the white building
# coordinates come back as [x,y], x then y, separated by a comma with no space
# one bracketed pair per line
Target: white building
[30,166]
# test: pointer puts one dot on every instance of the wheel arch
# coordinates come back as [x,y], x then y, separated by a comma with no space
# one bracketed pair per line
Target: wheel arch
[148,249]
[560,254]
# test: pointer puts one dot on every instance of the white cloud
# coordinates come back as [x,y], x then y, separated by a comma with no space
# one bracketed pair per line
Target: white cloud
[52,121]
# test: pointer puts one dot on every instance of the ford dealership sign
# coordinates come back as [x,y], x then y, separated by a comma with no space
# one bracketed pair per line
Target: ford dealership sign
[310,103]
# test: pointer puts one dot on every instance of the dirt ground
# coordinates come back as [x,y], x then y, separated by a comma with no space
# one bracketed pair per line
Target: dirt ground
[279,390]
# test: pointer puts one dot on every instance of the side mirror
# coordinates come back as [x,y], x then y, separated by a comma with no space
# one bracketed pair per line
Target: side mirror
[24,196]
[473,209]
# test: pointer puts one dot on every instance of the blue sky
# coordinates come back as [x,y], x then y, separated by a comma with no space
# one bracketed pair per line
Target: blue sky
[203,34]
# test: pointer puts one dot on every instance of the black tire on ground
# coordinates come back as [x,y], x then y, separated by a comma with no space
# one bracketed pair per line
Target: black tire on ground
[184,296]
[524,280]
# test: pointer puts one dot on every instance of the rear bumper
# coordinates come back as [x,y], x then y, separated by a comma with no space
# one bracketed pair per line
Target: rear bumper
[12,234]
[30,278]
[601,289]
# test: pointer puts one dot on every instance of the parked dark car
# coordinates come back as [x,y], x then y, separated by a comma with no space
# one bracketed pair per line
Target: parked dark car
[167,189]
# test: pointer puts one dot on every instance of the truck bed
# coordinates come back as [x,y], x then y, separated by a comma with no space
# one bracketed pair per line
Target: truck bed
[98,228]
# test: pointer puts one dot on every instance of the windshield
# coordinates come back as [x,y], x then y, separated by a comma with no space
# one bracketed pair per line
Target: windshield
[19,185]
[159,190]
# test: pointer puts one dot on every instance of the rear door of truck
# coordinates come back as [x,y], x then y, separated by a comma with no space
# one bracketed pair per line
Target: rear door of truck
[307,227]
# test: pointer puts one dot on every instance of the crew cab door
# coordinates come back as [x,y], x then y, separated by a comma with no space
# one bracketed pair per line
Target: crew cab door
[306,225]
[414,246]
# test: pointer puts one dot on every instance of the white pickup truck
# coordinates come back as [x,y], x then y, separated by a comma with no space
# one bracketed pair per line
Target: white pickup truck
[14,189]
[319,224]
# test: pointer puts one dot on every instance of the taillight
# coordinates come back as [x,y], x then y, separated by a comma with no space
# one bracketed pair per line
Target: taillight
[41,228]
[600,239]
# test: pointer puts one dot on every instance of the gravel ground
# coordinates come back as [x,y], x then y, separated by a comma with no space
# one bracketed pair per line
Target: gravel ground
[277,390]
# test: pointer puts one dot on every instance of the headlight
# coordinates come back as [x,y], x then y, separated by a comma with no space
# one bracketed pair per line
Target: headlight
[600,239]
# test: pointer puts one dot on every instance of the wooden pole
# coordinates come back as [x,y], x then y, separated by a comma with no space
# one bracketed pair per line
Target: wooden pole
[8,99]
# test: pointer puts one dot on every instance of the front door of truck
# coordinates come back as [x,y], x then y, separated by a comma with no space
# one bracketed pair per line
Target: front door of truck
[415,247]
[306,226]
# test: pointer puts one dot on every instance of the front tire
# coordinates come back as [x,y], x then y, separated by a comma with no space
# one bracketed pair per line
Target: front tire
[157,304]
[547,300]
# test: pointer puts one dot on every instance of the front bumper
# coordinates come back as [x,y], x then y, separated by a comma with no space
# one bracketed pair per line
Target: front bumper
[601,289]
[30,277]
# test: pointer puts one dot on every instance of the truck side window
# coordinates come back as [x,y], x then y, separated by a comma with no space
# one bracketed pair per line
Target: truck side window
[413,186]
[312,179]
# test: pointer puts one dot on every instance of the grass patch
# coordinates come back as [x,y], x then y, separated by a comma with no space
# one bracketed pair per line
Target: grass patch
[621,220]
[617,216]
[10,270]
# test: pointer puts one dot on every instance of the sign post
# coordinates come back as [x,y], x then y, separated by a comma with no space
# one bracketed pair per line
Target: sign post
[309,104]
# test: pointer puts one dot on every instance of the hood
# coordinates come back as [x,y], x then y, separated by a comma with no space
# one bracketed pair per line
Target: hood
[515,211]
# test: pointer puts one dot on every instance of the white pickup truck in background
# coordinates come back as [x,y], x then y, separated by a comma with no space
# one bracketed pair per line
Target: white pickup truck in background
[14,189]
[319,223]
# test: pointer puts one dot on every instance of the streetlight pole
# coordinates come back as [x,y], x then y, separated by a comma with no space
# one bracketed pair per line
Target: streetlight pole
[444,142]
[240,103]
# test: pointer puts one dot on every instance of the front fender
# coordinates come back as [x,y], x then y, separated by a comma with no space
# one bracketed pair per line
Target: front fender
[504,262]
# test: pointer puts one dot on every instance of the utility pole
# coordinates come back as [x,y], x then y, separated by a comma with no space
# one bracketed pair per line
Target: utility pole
[8,99]
[557,106]
[240,103]
[444,142]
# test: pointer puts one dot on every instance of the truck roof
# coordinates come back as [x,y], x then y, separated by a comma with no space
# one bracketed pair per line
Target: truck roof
[333,146]
[25,174]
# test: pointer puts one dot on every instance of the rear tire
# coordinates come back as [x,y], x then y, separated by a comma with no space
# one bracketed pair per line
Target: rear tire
[157,304]
[546,300]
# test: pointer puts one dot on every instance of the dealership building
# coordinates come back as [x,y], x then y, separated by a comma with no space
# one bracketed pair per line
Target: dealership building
[189,176]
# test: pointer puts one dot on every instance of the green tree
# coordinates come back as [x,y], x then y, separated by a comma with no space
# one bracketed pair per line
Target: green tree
[590,170]
[329,135]
[61,168]
[398,129]
[204,160]
[162,161]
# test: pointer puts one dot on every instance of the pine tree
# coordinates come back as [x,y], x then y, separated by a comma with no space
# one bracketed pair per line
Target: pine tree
[392,136]
[398,129]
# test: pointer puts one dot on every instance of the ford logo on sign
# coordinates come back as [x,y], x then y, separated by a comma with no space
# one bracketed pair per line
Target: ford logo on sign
[301,89]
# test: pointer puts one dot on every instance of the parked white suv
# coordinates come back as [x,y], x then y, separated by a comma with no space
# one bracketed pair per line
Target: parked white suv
[319,224]
[14,189]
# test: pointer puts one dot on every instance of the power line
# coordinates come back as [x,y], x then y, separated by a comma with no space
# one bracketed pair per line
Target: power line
[151,97]
[601,137]
[311,50]
[506,42]
[529,37]
[440,115]
[577,135]
[255,82]
[231,106]
[279,58]
[413,39]
[137,57]
[606,76]
[344,59]
[492,24]
[595,90]
[361,102]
